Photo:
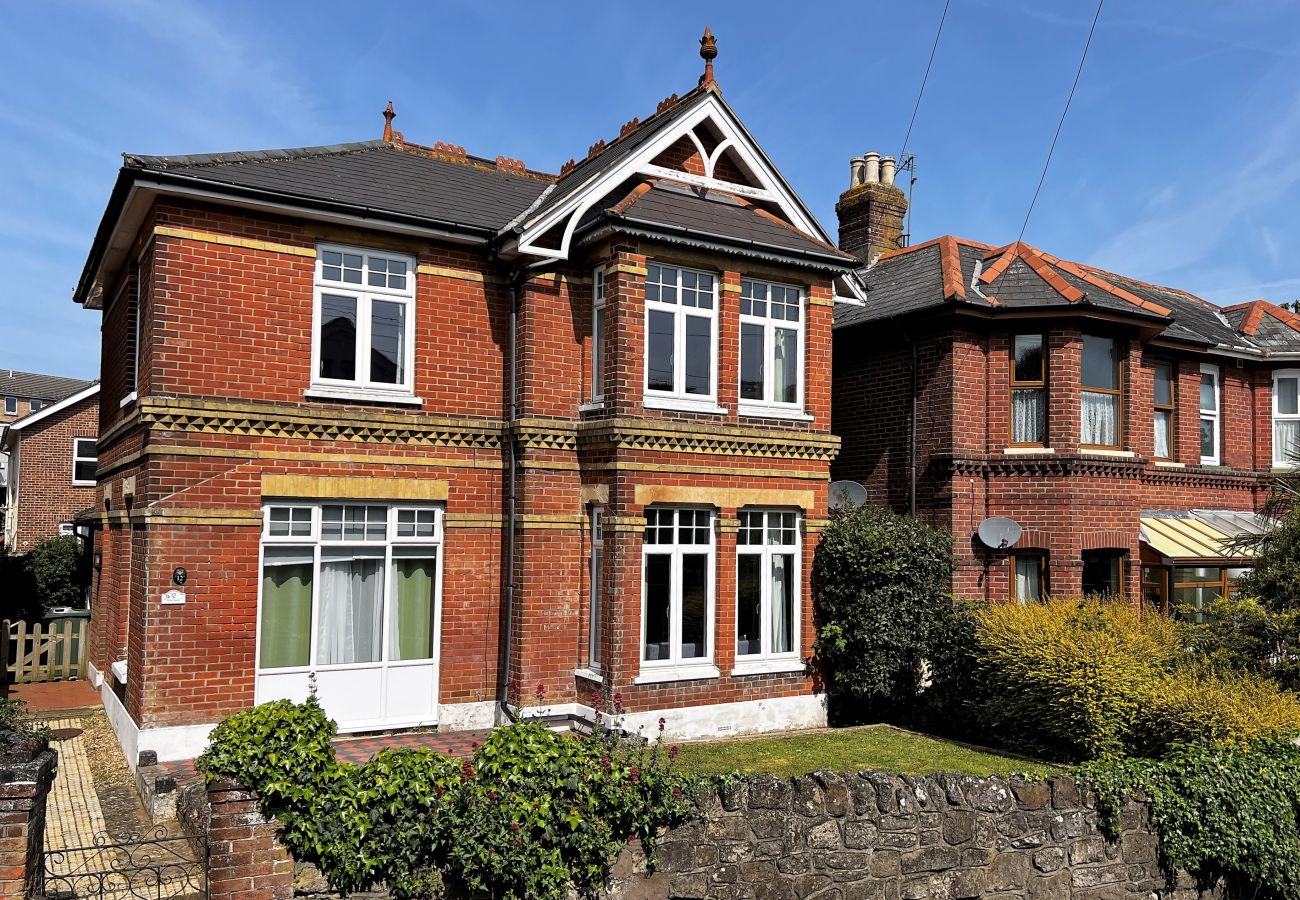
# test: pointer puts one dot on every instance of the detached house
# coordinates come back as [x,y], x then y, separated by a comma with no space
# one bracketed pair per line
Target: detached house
[1129,429]
[422,429]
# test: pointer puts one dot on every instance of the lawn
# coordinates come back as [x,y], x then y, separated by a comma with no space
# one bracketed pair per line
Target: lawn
[878,747]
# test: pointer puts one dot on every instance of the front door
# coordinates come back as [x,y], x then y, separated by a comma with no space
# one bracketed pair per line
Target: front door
[350,601]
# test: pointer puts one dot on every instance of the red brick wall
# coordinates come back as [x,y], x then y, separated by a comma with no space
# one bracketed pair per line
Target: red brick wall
[46,496]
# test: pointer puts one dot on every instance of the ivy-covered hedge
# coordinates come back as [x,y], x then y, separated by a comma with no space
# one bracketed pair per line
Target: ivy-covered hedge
[1220,812]
[533,814]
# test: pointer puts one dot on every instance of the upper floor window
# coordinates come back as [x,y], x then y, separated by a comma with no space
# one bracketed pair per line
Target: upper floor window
[84,459]
[35,405]
[767,584]
[681,334]
[11,406]
[1165,404]
[771,333]
[1211,396]
[677,587]
[1100,397]
[598,335]
[1286,417]
[364,314]
[1028,391]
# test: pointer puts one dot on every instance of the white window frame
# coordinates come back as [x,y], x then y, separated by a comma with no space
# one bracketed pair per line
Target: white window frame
[315,542]
[1280,458]
[675,668]
[35,405]
[365,294]
[766,661]
[11,406]
[598,335]
[76,458]
[1214,415]
[677,398]
[767,406]
[595,573]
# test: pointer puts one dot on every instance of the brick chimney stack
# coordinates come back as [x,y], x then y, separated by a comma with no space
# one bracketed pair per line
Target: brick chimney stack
[871,211]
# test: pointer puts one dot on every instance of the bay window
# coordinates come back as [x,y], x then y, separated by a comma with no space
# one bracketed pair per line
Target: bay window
[1028,577]
[771,335]
[1100,407]
[598,335]
[681,336]
[363,338]
[677,590]
[1028,391]
[767,585]
[1286,417]
[1211,396]
[1164,406]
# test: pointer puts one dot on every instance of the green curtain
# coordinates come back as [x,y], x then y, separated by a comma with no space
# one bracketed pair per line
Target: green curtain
[286,610]
[412,628]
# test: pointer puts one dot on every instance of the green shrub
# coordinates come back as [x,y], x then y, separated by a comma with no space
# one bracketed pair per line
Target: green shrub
[1220,812]
[880,582]
[19,736]
[1197,705]
[534,814]
[1244,634]
[58,571]
[1069,679]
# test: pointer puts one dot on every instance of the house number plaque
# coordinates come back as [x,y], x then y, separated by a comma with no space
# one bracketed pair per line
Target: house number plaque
[173,597]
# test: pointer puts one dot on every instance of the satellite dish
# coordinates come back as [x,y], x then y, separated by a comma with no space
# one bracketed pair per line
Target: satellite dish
[847,493]
[999,532]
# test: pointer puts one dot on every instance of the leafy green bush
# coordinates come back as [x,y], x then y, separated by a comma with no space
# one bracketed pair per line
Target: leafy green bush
[1198,705]
[534,814]
[1220,812]
[18,735]
[1069,678]
[880,581]
[58,571]
[1244,634]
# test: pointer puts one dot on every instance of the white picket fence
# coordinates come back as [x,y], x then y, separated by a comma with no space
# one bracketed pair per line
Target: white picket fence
[44,651]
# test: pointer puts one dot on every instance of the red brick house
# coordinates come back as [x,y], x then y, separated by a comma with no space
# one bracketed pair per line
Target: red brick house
[419,426]
[50,472]
[1128,428]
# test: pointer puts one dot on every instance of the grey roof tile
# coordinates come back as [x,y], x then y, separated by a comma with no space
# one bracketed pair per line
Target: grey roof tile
[31,386]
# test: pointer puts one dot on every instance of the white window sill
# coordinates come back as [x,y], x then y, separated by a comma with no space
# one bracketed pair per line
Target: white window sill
[659,675]
[361,395]
[1023,451]
[590,675]
[682,405]
[772,412]
[769,667]
[84,483]
[127,400]
[592,406]
[119,670]
[1113,454]
[1208,462]
[1166,464]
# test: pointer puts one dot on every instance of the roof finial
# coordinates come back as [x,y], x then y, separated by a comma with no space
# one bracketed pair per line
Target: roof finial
[389,115]
[708,52]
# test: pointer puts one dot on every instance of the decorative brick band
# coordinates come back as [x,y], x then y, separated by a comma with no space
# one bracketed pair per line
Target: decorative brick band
[354,487]
[226,240]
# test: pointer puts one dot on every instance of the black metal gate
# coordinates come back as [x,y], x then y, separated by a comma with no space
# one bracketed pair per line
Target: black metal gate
[152,865]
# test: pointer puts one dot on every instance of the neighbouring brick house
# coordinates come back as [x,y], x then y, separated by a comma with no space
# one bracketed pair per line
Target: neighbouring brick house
[421,426]
[50,463]
[1129,429]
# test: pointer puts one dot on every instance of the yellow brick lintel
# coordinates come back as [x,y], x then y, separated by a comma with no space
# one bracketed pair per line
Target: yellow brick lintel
[627,269]
[473,520]
[353,487]
[227,240]
[594,493]
[721,498]
[457,274]
[728,288]
[821,301]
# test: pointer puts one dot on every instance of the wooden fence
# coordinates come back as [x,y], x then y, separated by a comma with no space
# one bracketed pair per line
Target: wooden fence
[44,651]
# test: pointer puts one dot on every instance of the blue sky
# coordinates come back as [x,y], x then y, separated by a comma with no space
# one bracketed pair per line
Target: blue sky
[1179,163]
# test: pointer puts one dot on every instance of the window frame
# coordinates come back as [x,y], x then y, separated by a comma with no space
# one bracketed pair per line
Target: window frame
[1216,415]
[11,406]
[314,542]
[1040,558]
[598,334]
[768,406]
[1014,385]
[596,575]
[1225,585]
[365,295]
[1171,408]
[678,398]
[34,405]
[766,660]
[1280,459]
[77,457]
[1117,559]
[675,667]
[1117,392]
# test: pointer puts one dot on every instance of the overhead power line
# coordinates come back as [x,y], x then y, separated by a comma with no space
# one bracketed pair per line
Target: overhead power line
[1047,162]
[902,155]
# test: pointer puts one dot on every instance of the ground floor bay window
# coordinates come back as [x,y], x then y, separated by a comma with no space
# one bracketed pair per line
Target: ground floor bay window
[350,595]
[677,594]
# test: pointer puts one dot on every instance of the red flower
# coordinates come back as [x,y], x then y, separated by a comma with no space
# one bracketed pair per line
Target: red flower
[677,793]
[662,722]
[673,751]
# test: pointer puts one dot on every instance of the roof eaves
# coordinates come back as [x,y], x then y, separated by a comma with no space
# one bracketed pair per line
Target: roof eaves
[707,241]
[71,400]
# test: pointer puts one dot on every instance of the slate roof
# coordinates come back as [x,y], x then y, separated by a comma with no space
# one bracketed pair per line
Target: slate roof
[31,386]
[949,271]
[376,175]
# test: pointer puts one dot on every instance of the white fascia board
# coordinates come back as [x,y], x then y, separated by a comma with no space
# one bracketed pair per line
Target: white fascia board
[57,407]
[710,109]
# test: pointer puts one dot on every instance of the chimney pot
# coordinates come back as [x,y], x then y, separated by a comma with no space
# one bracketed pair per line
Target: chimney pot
[857,167]
[871,173]
[887,171]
